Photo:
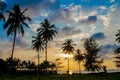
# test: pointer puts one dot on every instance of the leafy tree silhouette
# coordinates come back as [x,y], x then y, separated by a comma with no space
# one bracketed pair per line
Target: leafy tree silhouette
[92,58]
[3,66]
[12,64]
[44,66]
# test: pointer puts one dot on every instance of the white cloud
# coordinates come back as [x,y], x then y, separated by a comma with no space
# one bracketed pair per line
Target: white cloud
[113,7]
[35,25]
[112,1]
[103,7]
[106,19]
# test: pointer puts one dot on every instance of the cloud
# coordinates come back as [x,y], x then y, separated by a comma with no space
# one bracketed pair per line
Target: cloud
[20,42]
[103,7]
[2,35]
[35,6]
[70,30]
[89,20]
[0,52]
[108,48]
[98,36]
[35,25]
[111,1]
[107,51]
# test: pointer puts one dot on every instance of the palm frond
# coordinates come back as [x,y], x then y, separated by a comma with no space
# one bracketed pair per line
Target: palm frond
[2,17]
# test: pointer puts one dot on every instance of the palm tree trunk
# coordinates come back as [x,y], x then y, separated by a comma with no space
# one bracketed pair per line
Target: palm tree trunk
[38,60]
[46,52]
[13,45]
[79,68]
[68,65]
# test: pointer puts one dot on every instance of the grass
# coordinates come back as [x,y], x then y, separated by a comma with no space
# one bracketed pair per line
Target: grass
[108,76]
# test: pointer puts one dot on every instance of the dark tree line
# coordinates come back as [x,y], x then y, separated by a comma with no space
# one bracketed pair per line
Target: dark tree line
[11,66]
[18,65]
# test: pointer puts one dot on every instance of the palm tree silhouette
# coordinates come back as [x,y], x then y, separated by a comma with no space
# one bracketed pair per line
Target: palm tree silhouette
[46,32]
[2,9]
[117,50]
[38,45]
[118,36]
[15,23]
[68,48]
[78,57]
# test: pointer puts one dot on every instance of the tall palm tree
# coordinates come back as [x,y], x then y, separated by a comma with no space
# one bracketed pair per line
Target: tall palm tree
[16,23]
[68,48]
[78,57]
[38,45]
[46,32]
[118,36]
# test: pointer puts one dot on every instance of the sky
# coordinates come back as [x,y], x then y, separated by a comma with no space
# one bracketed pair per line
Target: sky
[74,19]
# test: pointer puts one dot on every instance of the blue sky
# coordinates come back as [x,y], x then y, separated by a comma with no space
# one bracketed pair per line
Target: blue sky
[75,19]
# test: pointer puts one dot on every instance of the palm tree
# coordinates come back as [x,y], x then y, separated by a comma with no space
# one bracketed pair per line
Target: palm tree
[117,51]
[46,32]
[68,48]
[78,57]
[118,36]
[2,8]
[38,45]
[15,23]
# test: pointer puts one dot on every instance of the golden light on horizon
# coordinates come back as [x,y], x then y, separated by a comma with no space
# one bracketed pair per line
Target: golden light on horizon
[67,55]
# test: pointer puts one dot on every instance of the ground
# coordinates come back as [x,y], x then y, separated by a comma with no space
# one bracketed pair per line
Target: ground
[107,76]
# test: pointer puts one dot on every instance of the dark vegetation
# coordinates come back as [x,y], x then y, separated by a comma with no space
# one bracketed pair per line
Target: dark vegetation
[108,76]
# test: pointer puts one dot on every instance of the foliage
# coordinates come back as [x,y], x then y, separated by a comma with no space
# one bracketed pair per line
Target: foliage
[46,32]
[78,57]
[12,65]
[68,48]
[109,76]
[15,23]
[38,45]
[3,66]
[117,51]
[118,36]
[44,65]
[92,58]
[117,57]
[3,6]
